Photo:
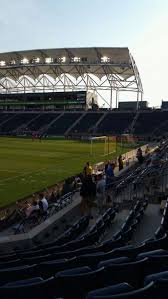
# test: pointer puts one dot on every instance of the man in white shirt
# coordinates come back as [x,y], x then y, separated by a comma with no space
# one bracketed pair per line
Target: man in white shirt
[100,192]
[44,202]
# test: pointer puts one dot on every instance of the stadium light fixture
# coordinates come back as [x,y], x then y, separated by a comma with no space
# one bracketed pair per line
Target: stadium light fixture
[12,62]
[48,60]
[37,60]
[76,59]
[2,63]
[63,59]
[24,61]
[105,59]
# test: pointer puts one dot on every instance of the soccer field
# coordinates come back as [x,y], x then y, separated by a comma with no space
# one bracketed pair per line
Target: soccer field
[27,167]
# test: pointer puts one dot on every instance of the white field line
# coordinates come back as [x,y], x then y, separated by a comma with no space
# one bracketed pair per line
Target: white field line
[108,153]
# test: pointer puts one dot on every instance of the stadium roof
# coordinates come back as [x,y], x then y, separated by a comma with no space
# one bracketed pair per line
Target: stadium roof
[22,70]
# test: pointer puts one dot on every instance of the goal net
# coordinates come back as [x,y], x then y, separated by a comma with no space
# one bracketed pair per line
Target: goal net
[102,145]
[127,140]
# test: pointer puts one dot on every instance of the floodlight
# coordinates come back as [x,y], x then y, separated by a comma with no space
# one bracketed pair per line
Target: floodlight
[24,61]
[105,59]
[48,60]
[63,59]
[2,63]
[76,59]
[12,62]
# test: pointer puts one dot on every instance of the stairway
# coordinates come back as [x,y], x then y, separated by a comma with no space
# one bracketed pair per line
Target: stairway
[75,123]
[131,129]
[45,128]
[23,126]
[98,122]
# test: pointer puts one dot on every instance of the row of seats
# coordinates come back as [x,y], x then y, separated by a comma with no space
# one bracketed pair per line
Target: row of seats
[147,122]
[68,279]
[112,123]
[87,122]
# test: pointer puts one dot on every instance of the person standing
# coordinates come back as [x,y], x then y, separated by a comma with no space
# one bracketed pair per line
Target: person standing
[120,163]
[87,171]
[100,192]
[139,156]
[88,193]
[110,173]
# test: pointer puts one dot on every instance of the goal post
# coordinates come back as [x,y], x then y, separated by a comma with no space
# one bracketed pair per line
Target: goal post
[127,140]
[102,145]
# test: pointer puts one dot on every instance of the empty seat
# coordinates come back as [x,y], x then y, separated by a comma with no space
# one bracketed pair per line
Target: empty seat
[110,290]
[31,288]
[78,281]
[131,272]
[111,244]
[156,277]
[118,260]
[90,259]
[145,292]
[17,273]
[152,252]
[52,267]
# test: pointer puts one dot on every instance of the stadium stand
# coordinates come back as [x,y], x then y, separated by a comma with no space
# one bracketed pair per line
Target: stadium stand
[145,123]
[57,252]
[14,122]
[60,126]
[87,123]
[41,121]
[149,121]
[80,263]
[115,123]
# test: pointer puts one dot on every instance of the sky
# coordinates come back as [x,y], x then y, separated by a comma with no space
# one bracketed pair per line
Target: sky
[140,25]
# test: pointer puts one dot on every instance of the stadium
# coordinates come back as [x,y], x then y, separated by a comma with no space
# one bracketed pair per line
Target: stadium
[83,186]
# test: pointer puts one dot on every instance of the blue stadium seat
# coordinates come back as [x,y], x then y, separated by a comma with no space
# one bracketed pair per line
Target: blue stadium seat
[152,252]
[110,290]
[156,277]
[31,288]
[76,282]
[90,259]
[147,292]
[15,273]
[52,267]
[119,260]
[131,272]
[111,244]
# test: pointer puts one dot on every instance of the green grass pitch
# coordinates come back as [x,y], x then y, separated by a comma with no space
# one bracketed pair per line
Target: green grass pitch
[27,167]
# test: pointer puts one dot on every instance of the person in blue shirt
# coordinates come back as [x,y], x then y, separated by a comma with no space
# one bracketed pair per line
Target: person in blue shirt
[110,173]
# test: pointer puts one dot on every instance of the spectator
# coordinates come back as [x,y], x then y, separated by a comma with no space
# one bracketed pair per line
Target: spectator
[147,150]
[77,183]
[67,187]
[106,165]
[87,192]
[139,156]
[155,159]
[52,196]
[43,202]
[110,173]
[31,208]
[120,163]
[87,171]
[100,192]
